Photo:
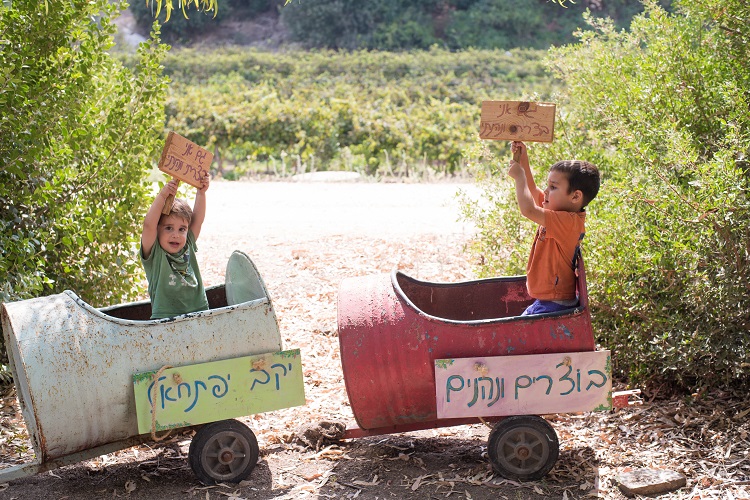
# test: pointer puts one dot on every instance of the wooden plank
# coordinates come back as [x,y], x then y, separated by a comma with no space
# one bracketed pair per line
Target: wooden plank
[185,160]
[217,390]
[517,121]
[536,384]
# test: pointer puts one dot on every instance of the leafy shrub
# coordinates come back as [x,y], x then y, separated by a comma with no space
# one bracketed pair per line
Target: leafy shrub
[415,33]
[503,24]
[457,24]
[179,28]
[78,131]
[662,108]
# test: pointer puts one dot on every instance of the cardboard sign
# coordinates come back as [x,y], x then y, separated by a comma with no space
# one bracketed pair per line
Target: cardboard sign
[218,390]
[536,384]
[185,160]
[517,121]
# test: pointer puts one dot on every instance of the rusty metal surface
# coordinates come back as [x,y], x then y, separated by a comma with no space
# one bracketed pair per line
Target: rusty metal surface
[392,328]
[487,299]
[73,364]
[621,399]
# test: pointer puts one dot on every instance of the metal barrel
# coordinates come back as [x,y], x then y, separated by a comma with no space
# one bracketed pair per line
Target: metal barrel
[392,328]
[73,365]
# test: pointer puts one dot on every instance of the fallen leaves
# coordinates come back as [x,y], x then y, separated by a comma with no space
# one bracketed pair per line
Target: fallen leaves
[705,436]
[374,482]
[418,481]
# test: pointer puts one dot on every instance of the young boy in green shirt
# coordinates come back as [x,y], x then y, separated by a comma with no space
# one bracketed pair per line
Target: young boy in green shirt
[168,251]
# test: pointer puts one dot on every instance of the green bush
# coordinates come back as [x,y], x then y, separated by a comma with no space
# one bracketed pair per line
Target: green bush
[179,29]
[78,132]
[183,30]
[504,24]
[414,32]
[461,24]
[662,108]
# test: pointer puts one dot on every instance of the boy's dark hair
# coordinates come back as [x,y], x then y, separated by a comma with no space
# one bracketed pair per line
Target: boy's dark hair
[181,209]
[581,175]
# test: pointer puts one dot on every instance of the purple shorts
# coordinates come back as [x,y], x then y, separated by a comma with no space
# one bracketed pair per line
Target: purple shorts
[544,306]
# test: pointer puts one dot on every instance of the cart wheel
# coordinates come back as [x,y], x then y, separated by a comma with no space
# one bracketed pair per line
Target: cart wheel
[223,451]
[523,447]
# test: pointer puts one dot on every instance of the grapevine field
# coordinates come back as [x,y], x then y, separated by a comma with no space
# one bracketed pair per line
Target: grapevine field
[378,113]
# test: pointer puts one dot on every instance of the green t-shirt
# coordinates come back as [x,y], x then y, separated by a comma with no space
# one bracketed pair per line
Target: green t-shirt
[174,280]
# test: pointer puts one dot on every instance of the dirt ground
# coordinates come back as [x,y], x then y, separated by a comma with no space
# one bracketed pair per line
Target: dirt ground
[307,237]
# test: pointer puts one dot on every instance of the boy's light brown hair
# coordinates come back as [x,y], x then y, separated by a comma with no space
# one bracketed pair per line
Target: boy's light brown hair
[181,209]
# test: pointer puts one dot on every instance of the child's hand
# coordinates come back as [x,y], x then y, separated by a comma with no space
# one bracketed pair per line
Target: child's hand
[518,149]
[170,188]
[516,171]
[205,183]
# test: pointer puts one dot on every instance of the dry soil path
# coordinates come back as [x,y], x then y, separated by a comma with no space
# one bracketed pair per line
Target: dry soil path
[305,238]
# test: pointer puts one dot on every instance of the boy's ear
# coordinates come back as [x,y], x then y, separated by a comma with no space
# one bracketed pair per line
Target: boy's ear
[577,196]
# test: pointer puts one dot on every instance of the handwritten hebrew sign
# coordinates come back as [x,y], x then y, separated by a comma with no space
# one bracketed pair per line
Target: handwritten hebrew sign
[217,390]
[185,160]
[536,384]
[517,121]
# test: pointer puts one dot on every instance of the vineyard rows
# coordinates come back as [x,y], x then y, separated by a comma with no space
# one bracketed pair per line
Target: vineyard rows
[373,112]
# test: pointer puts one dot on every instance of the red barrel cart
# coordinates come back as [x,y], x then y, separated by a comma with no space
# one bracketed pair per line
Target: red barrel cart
[401,337]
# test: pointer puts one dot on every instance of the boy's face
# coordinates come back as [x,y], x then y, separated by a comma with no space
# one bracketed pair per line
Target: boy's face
[172,233]
[556,196]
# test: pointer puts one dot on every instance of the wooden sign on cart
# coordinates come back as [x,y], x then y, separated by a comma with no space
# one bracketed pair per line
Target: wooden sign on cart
[218,390]
[535,384]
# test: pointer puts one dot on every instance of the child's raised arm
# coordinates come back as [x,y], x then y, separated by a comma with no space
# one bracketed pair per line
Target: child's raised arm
[151,221]
[526,202]
[536,193]
[199,208]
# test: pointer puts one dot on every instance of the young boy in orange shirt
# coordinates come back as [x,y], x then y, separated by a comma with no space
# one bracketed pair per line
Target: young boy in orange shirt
[559,211]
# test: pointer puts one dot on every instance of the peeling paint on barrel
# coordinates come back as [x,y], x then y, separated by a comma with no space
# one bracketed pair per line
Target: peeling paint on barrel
[388,345]
[73,365]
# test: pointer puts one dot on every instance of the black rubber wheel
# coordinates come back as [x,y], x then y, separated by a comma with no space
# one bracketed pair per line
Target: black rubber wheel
[223,451]
[523,447]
